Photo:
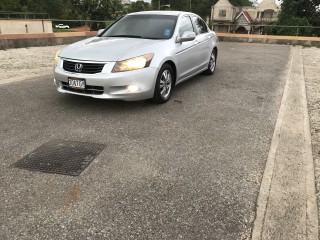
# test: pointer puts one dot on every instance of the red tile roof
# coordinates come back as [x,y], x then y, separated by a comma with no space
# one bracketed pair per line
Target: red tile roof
[248,17]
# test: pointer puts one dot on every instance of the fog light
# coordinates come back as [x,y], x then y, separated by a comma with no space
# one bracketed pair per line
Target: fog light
[133,88]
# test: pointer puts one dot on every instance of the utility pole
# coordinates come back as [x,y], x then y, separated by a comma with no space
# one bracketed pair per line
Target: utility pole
[159,4]
[190,5]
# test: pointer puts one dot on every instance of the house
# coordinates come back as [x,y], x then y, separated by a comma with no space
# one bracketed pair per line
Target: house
[239,19]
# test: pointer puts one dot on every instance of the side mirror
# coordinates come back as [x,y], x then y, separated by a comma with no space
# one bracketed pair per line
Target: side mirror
[100,31]
[186,37]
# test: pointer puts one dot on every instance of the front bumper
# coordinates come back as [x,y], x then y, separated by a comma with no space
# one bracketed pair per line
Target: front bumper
[113,85]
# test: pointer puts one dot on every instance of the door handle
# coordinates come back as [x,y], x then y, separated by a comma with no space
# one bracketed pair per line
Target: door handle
[209,37]
[196,42]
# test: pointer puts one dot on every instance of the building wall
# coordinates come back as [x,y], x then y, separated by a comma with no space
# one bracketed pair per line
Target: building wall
[25,26]
[242,21]
[222,29]
[223,5]
[268,4]
[228,16]
[41,39]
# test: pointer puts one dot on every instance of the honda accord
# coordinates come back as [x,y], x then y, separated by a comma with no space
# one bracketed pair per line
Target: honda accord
[140,56]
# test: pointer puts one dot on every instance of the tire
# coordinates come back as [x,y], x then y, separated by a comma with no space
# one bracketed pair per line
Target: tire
[164,85]
[212,63]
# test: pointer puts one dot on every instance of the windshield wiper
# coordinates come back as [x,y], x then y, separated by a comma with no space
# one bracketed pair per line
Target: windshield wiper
[128,36]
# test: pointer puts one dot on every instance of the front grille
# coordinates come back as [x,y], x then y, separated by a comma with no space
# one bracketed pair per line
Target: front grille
[89,68]
[94,90]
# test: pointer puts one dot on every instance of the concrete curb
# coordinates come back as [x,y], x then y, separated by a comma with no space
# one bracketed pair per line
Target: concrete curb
[8,41]
[312,207]
[48,35]
[288,40]
[286,206]
[50,39]
[268,172]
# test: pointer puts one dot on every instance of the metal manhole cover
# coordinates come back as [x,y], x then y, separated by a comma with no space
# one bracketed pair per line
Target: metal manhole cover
[61,156]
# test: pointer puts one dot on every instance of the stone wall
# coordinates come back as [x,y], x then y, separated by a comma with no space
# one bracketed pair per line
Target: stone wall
[268,39]
[25,26]
[45,39]
[37,40]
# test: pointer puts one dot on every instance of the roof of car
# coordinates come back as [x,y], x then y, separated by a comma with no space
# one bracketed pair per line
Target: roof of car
[170,13]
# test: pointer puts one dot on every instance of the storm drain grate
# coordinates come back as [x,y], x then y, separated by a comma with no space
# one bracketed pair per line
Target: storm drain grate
[61,156]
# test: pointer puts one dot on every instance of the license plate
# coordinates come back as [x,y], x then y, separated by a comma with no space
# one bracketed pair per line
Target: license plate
[77,83]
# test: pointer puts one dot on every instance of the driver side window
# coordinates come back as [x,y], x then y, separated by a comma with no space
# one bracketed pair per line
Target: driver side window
[185,25]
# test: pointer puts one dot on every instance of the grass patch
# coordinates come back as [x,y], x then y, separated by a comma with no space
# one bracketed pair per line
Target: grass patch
[62,30]
[310,46]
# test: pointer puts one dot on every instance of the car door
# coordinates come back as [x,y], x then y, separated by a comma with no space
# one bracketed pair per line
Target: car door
[203,41]
[187,64]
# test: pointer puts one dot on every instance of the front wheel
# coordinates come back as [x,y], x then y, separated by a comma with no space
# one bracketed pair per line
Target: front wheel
[164,85]
[212,63]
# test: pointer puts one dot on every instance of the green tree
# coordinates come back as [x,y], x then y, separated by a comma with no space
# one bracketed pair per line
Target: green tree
[10,5]
[137,7]
[179,5]
[308,9]
[241,2]
[298,13]
[96,10]
[55,8]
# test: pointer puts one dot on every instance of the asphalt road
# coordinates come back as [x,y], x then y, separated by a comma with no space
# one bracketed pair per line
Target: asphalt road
[188,169]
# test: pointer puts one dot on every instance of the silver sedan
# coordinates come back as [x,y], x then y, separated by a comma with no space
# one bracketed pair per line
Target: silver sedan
[141,56]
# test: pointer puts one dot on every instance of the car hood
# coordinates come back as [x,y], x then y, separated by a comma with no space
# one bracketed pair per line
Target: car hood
[106,49]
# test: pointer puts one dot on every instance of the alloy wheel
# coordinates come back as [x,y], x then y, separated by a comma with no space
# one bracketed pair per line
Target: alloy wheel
[212,63]
[165,84]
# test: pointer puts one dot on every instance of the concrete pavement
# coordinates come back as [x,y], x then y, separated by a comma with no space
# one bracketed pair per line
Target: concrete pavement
[311,62]
[287,207]
[189,169]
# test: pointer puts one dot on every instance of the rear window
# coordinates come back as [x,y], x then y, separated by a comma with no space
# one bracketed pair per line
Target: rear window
[200,25]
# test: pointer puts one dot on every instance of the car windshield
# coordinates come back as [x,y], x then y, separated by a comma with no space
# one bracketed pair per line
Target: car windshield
[143,26]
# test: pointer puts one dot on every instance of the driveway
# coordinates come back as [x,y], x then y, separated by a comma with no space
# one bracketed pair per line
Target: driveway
[188,169]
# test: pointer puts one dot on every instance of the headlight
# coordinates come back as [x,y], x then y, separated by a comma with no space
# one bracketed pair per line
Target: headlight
[56,58]
[133,63]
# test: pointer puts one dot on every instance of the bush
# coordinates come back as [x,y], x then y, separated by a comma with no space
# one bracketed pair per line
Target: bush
[286,28]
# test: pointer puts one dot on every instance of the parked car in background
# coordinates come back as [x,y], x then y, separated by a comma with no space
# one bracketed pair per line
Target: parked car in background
[62,26]
[141,56]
